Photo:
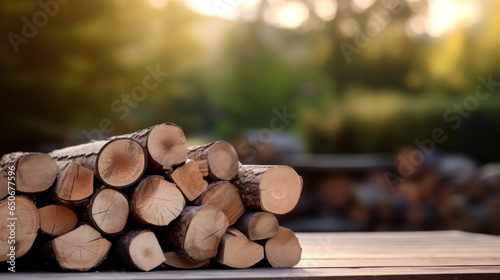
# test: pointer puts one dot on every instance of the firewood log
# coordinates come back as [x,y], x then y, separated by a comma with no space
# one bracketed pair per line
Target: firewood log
[56,219]
[237,251]
[177,260]
[156,201]
[258,225]
[218,158]
[35,172]
[20,224]
[274,189]
[107,211]
[116,163]
[283,249]
[80,249]
[224,196]
[74,183]
[196,233]
[139,249]
[189,180]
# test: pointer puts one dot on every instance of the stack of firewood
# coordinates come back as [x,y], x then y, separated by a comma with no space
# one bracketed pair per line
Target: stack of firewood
[145,200]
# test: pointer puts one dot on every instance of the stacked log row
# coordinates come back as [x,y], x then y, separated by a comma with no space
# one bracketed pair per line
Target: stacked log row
[144,201]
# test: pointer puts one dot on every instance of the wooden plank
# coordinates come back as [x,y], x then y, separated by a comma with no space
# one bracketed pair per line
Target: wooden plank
[384,255]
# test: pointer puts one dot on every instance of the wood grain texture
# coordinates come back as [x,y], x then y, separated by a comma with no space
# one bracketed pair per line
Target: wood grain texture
[391,255]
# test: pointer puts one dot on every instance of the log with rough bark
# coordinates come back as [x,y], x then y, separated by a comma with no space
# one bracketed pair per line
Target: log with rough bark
[56,220]
[219,158]
[117,163]
[74,183]
[177,260]
[237,251]
[80,249]
[156,201]
[189,180]
[196,233]
[274,189]
[258,225]
[20,224]
[283,250]
[165,144]
[138,249]
[35,172]
[107,211]
[224,196]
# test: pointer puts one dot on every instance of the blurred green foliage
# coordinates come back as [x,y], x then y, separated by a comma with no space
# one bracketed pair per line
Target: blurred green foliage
[227,76]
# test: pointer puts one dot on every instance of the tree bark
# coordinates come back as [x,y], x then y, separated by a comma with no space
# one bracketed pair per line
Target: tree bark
[80,249]
[283,250]
[117,163]
[221,159]
[196,233]
[189,180]
[74,183]
[139,249]
[107,211]
[224,196]
[22,223]
[258,225]
[274,189]
[56,220]
[156,201]
[35,172]
[237,251]
[165,144]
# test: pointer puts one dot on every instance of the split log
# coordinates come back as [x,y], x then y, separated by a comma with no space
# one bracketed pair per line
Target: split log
[283,250]
[196,233]
[189,180]
[220,157]
[80,249]
[258,225]
[156,201]
[35,172]
[107,211]
[20,224]
[139,249]
[56,220]
[224,196]
[165,144]
[274,189]
[237,251]
[117,163]
[74,183]
[177,260]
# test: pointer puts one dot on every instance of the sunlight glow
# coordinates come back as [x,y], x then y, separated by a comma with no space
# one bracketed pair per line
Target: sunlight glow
[291,15]
[228,9]
[158,4]
[325,9]
[444,15]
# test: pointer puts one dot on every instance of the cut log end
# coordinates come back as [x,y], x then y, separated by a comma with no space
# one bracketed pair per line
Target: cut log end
[157,201]
[167,145]
[237,251]
[121,163]
[74,182]
[81,249]
[109,211]
[145,251]
[204,233]
[35,173]
[258,225]
[224,196]
[177,260]
[189,180]
[222,161]
[280,188]
[56,220]
[25,226]
[283,250]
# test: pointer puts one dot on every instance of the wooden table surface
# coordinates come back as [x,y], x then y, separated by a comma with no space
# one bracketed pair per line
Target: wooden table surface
[388,255]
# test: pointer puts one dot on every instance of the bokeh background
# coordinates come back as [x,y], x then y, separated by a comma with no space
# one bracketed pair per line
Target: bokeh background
[389,109]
